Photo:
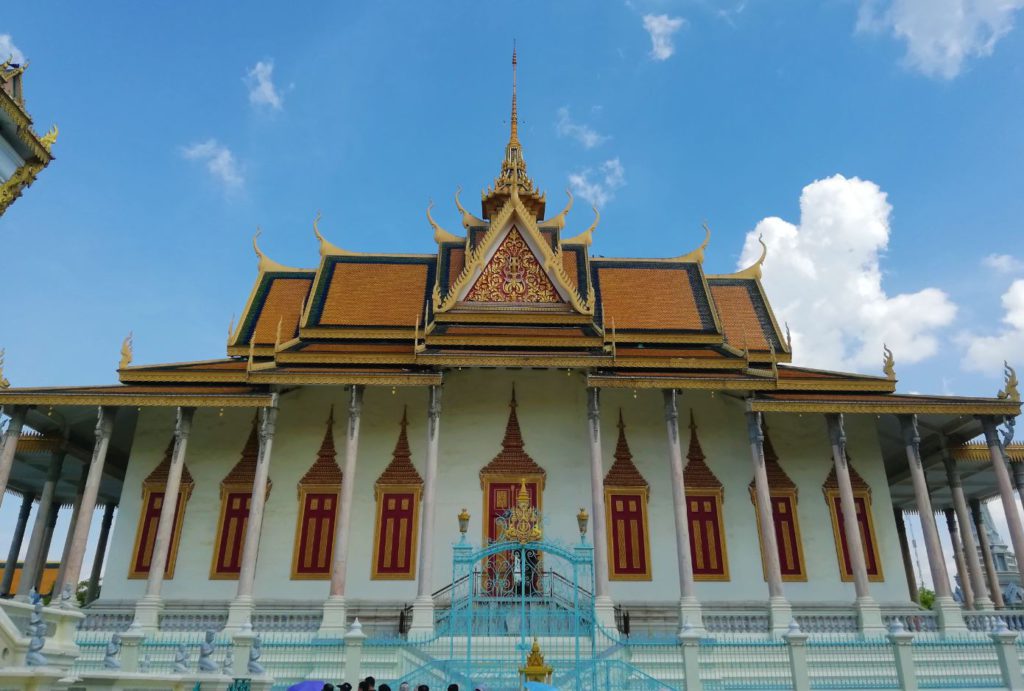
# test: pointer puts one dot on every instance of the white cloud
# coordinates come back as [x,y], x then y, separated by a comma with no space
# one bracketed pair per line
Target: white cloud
[219,161]
[823,276]
[1003,263]
[584,134]
[987,353]
[662,29]
[9,50]
[600,190]
[260,80]
[941,35]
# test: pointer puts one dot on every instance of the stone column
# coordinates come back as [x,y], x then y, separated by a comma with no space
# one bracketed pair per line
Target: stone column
[333,622]
[80,537]
[9,444]
[986,553]
[690,613]
[970,548]
[16,540]
[44,553]
[147,609]
[101,552]
[966,587]
[603,606]
[869,613]
[31,570]
[780,611]
[1002,473]
[1018,479]
[950,616]
[908,562]
[423,608]
[58,583]
[240,609]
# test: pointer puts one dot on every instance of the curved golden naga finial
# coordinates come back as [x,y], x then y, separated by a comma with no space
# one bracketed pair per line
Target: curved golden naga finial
[1010,390]
[126,351]
[697,255]
[468,219]
[587,236]
[754,270]
[265,263]
[50,138]
[326,247]
[4,384]
[888,363]
[558,221]
[440,234]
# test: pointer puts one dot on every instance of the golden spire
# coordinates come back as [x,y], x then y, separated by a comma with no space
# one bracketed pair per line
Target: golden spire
[126,351]
[888,363]
[514,134]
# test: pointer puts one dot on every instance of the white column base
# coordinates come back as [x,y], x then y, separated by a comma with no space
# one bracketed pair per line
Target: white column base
[869,616]
[333,623]
[691,618]
[147,613]
[604,612]
[779,615]
[239,613]
[951,616]
[131,640]
[422,617]
[983,603]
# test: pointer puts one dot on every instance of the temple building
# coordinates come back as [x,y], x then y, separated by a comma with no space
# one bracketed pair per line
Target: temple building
[23,152]
[509,428]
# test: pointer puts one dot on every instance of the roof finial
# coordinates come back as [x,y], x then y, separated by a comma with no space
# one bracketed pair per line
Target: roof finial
[1010,390]
[512,403]
[514,134]
[888,363]
[126,351]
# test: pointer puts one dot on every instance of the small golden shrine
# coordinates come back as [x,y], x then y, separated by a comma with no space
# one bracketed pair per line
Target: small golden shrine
[535,669]
[523,521]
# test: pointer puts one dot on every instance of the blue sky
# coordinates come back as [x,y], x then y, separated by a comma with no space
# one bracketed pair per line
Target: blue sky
[184,126]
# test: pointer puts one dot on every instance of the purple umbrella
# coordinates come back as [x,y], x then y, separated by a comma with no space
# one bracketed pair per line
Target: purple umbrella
[310,685]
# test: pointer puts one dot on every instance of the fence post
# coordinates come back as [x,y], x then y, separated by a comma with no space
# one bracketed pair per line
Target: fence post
[131,642]
[690,641]
[1006,651]
[796,642]
[354,650]
[903,652]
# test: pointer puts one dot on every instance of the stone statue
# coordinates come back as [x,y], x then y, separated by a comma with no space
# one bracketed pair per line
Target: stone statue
[206,649]
[37,632]
[34,596]
[181,660]
[254,658]
[65,597]
[145,664]
[227,667]
[110,660]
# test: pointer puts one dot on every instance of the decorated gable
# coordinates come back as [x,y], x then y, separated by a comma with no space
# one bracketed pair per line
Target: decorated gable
[513,274]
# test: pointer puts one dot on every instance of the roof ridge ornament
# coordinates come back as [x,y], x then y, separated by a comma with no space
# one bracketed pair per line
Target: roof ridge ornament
[468,219]
[4,384]
[50,138]
[888,363]
[126,351]
[697,255]
[327,248]
[754,270]
[1010,390]
[587,236]
[440,234]
[266,264]
[558,222]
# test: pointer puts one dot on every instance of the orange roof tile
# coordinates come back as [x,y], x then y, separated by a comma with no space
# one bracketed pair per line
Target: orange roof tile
[159,475]
[400,471]
[325,470]
[354,348]
[643,298]
[283,303]
[569,264]
[456,262]
[513,459]
[377,294]
[624,472]
[739,317]
[697,474]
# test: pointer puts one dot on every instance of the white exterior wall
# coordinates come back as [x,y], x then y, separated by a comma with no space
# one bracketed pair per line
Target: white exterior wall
[552,415]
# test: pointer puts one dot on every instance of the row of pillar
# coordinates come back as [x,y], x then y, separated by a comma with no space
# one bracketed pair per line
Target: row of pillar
[240,610]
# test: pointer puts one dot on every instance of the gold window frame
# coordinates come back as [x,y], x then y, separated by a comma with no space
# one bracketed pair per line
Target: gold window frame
[300,520]
[609,494]
[184,492]
[379,494]
[718,497]
[225,492]
[790,494]
[830,498]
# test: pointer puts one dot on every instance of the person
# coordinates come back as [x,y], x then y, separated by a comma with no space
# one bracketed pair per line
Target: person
[422,687]
[345,686]
[385,687]
[363,686]
[328,687]
[371,684]
[404,686]
[453,687]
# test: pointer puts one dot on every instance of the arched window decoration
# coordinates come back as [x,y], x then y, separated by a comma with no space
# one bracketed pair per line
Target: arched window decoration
[235,497]
[319,491]
[784,495]
[862,505]
[704,499]
[626,493]
[153,489]
[501,480]
[396,530]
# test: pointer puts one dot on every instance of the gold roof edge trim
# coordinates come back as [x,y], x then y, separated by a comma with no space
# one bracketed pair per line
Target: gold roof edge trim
[139,400]
[895,407]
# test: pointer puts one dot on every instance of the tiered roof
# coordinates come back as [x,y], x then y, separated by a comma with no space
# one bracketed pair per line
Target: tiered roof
[158,477]
[859,485]
[778,480]
[242,473]
[624,472]
[400,471]
[512,460]
[325,471]
[697,474]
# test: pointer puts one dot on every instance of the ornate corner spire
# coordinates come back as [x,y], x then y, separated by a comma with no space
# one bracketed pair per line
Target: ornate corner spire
[325,471]
[559,220]
[888,363]
[126,351]
[697,474]
[587,236]
[440,234]
[697,255]
[1010,390]
[50,138]
[624,472]
[468,219]
[754,270]
[4,384]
